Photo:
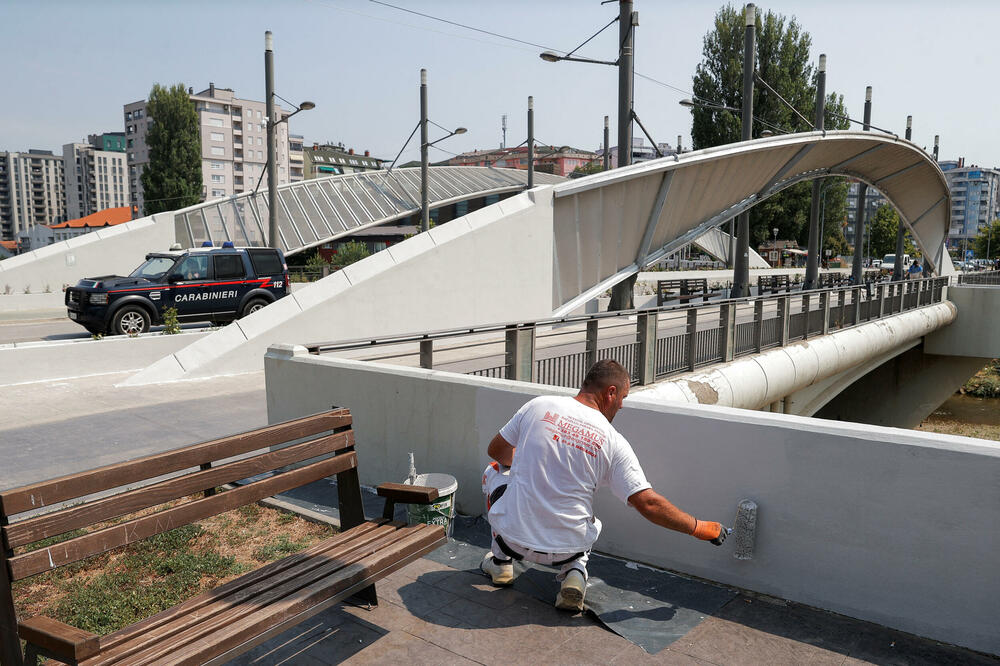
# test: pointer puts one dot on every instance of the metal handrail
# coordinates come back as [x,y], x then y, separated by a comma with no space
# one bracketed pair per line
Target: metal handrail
[362,343]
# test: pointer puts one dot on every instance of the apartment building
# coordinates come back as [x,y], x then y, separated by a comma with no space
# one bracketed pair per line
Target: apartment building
[873,199]
[32,191]
[975,199]
[330,160]
[96,174]
[233,144]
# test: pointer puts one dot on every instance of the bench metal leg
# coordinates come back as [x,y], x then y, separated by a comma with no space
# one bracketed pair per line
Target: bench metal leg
[365,597]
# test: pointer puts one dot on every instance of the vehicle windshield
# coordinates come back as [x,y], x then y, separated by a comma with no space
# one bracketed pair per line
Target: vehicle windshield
[889,259]
[154,268]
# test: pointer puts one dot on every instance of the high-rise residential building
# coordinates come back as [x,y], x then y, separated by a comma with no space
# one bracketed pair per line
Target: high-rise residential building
[975,199]
[873,199]
[96,174]
[233,138]
[32,191]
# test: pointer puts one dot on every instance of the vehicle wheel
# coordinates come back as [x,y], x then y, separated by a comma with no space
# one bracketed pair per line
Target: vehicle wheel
[130,320]
[253,305]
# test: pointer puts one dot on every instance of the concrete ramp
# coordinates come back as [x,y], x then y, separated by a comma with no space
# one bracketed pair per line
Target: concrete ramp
[490,266]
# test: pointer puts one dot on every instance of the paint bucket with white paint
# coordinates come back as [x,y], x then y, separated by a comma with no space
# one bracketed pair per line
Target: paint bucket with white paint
[441,511]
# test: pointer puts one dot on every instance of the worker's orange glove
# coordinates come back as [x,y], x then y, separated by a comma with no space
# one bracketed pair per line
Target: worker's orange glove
[709,531]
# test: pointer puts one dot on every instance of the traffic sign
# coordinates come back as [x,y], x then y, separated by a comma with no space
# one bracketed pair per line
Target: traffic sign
[969,254]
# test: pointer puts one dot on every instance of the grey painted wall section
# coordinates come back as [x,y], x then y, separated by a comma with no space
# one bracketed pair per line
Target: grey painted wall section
[976,332]
[892,526]
[114,250]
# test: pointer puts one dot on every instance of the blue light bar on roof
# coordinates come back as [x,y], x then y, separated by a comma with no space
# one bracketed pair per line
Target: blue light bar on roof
[206,244]
[228,244]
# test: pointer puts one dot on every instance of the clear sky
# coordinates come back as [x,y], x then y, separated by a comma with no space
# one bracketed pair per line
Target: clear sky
[69,66]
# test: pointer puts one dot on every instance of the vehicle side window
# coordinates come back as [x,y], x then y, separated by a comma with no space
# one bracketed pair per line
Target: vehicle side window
[266,262]
[229,266]
[193,267]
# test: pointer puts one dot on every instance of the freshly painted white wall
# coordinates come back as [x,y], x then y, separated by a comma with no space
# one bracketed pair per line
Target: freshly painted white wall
[893,526]
[483,268]
[115,250]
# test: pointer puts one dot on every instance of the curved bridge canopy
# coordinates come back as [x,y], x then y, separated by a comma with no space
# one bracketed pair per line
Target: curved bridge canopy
[312,212]
[610,225]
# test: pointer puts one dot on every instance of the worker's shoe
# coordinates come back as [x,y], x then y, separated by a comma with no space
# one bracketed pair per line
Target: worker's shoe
[573,589]
[502,572]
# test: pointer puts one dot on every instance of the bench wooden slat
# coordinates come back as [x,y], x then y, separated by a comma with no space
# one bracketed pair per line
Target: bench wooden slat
[58,638]
[157,646]
[53,491]
[136,641]
[229,634]
[60,522]
[29,564]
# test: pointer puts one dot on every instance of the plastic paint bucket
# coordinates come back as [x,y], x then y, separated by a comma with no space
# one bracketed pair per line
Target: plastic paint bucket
[442,511]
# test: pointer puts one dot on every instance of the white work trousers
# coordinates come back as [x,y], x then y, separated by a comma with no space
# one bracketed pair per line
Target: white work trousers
[495,477]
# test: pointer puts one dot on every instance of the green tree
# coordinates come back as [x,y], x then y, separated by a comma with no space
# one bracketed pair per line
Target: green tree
[883,227]
[783,62]
[350,252]
[172,179]
[987,244]
[597,166]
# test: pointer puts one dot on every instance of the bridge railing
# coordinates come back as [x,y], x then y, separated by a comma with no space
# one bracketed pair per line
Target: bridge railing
[984,277]
[651,344]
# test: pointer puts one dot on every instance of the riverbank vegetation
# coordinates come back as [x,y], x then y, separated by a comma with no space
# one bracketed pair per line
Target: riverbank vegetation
[985,383]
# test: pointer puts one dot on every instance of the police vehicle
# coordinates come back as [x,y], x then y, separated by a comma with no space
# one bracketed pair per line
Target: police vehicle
[202,284]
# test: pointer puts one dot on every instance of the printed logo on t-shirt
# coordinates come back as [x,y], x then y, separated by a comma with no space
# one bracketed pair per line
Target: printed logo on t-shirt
[575,433]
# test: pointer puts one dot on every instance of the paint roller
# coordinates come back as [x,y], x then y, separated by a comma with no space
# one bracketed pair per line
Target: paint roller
[743,530]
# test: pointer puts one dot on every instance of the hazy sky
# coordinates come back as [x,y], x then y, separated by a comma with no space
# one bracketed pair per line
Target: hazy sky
[70,66]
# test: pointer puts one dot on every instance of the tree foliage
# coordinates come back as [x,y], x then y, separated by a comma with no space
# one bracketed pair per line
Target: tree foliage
[883,228]
[597,166]
[783,62]
[987,244]
[172,179]
[350,252]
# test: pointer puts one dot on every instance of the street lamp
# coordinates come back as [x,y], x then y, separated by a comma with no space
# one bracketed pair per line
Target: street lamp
[425,214]
[621,293]
[774,244]
[272,176]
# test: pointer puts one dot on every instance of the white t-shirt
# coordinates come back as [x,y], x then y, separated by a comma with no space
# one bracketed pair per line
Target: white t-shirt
[564,452]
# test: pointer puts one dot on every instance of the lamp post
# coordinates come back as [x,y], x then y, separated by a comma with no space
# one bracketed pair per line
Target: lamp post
[621,293]
[897,267]
[425,214]
[741,260]
[774,244]
[607,149]
[859,216]
[815,224]
[531,142]
[272,175]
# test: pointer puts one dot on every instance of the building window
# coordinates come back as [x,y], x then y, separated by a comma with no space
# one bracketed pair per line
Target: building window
[217,165]
[217,136]
[216,122]
[218,178]
[218,150]
[218,193]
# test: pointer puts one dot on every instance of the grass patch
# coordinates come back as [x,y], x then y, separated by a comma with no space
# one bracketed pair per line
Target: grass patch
[111,591]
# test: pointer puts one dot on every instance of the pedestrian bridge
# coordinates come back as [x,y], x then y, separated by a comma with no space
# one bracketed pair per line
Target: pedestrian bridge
[552,250]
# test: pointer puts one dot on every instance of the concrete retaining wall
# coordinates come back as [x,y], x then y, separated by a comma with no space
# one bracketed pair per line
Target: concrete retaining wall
[115,250]
[976,331]
[40,361]
[893,526]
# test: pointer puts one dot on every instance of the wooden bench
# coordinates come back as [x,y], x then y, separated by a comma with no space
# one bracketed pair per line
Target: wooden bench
[232,618]
[773,283]
[689,288]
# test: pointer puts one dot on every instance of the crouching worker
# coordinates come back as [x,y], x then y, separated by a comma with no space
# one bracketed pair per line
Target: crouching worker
[540,501]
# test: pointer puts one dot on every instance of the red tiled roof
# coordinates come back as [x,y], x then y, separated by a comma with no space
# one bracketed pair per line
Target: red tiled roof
[102,218]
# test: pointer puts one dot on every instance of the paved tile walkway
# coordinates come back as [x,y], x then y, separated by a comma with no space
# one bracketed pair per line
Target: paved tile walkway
[463,619]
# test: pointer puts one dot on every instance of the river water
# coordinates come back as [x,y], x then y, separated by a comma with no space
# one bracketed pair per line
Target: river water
[968,409]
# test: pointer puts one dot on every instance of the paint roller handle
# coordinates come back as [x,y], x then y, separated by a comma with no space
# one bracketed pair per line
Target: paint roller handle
[714,533]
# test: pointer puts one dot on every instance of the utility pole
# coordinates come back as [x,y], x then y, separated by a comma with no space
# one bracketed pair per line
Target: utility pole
[425,214]
[897,267]
[531,142]
[678,144]
[503,129]
[272,175]
[607,148]
[815,223]
[621,293]
[859,216]
[741,262]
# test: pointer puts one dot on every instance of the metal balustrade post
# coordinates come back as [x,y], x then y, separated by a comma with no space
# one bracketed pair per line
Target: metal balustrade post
[520,352]
[805,316]
[841,308]
[692,341]
[727,331]
[427,354]
[856,305]
[824,306]
[879,300]
[784,316]
[758,324]
[592,332]
[646,336]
